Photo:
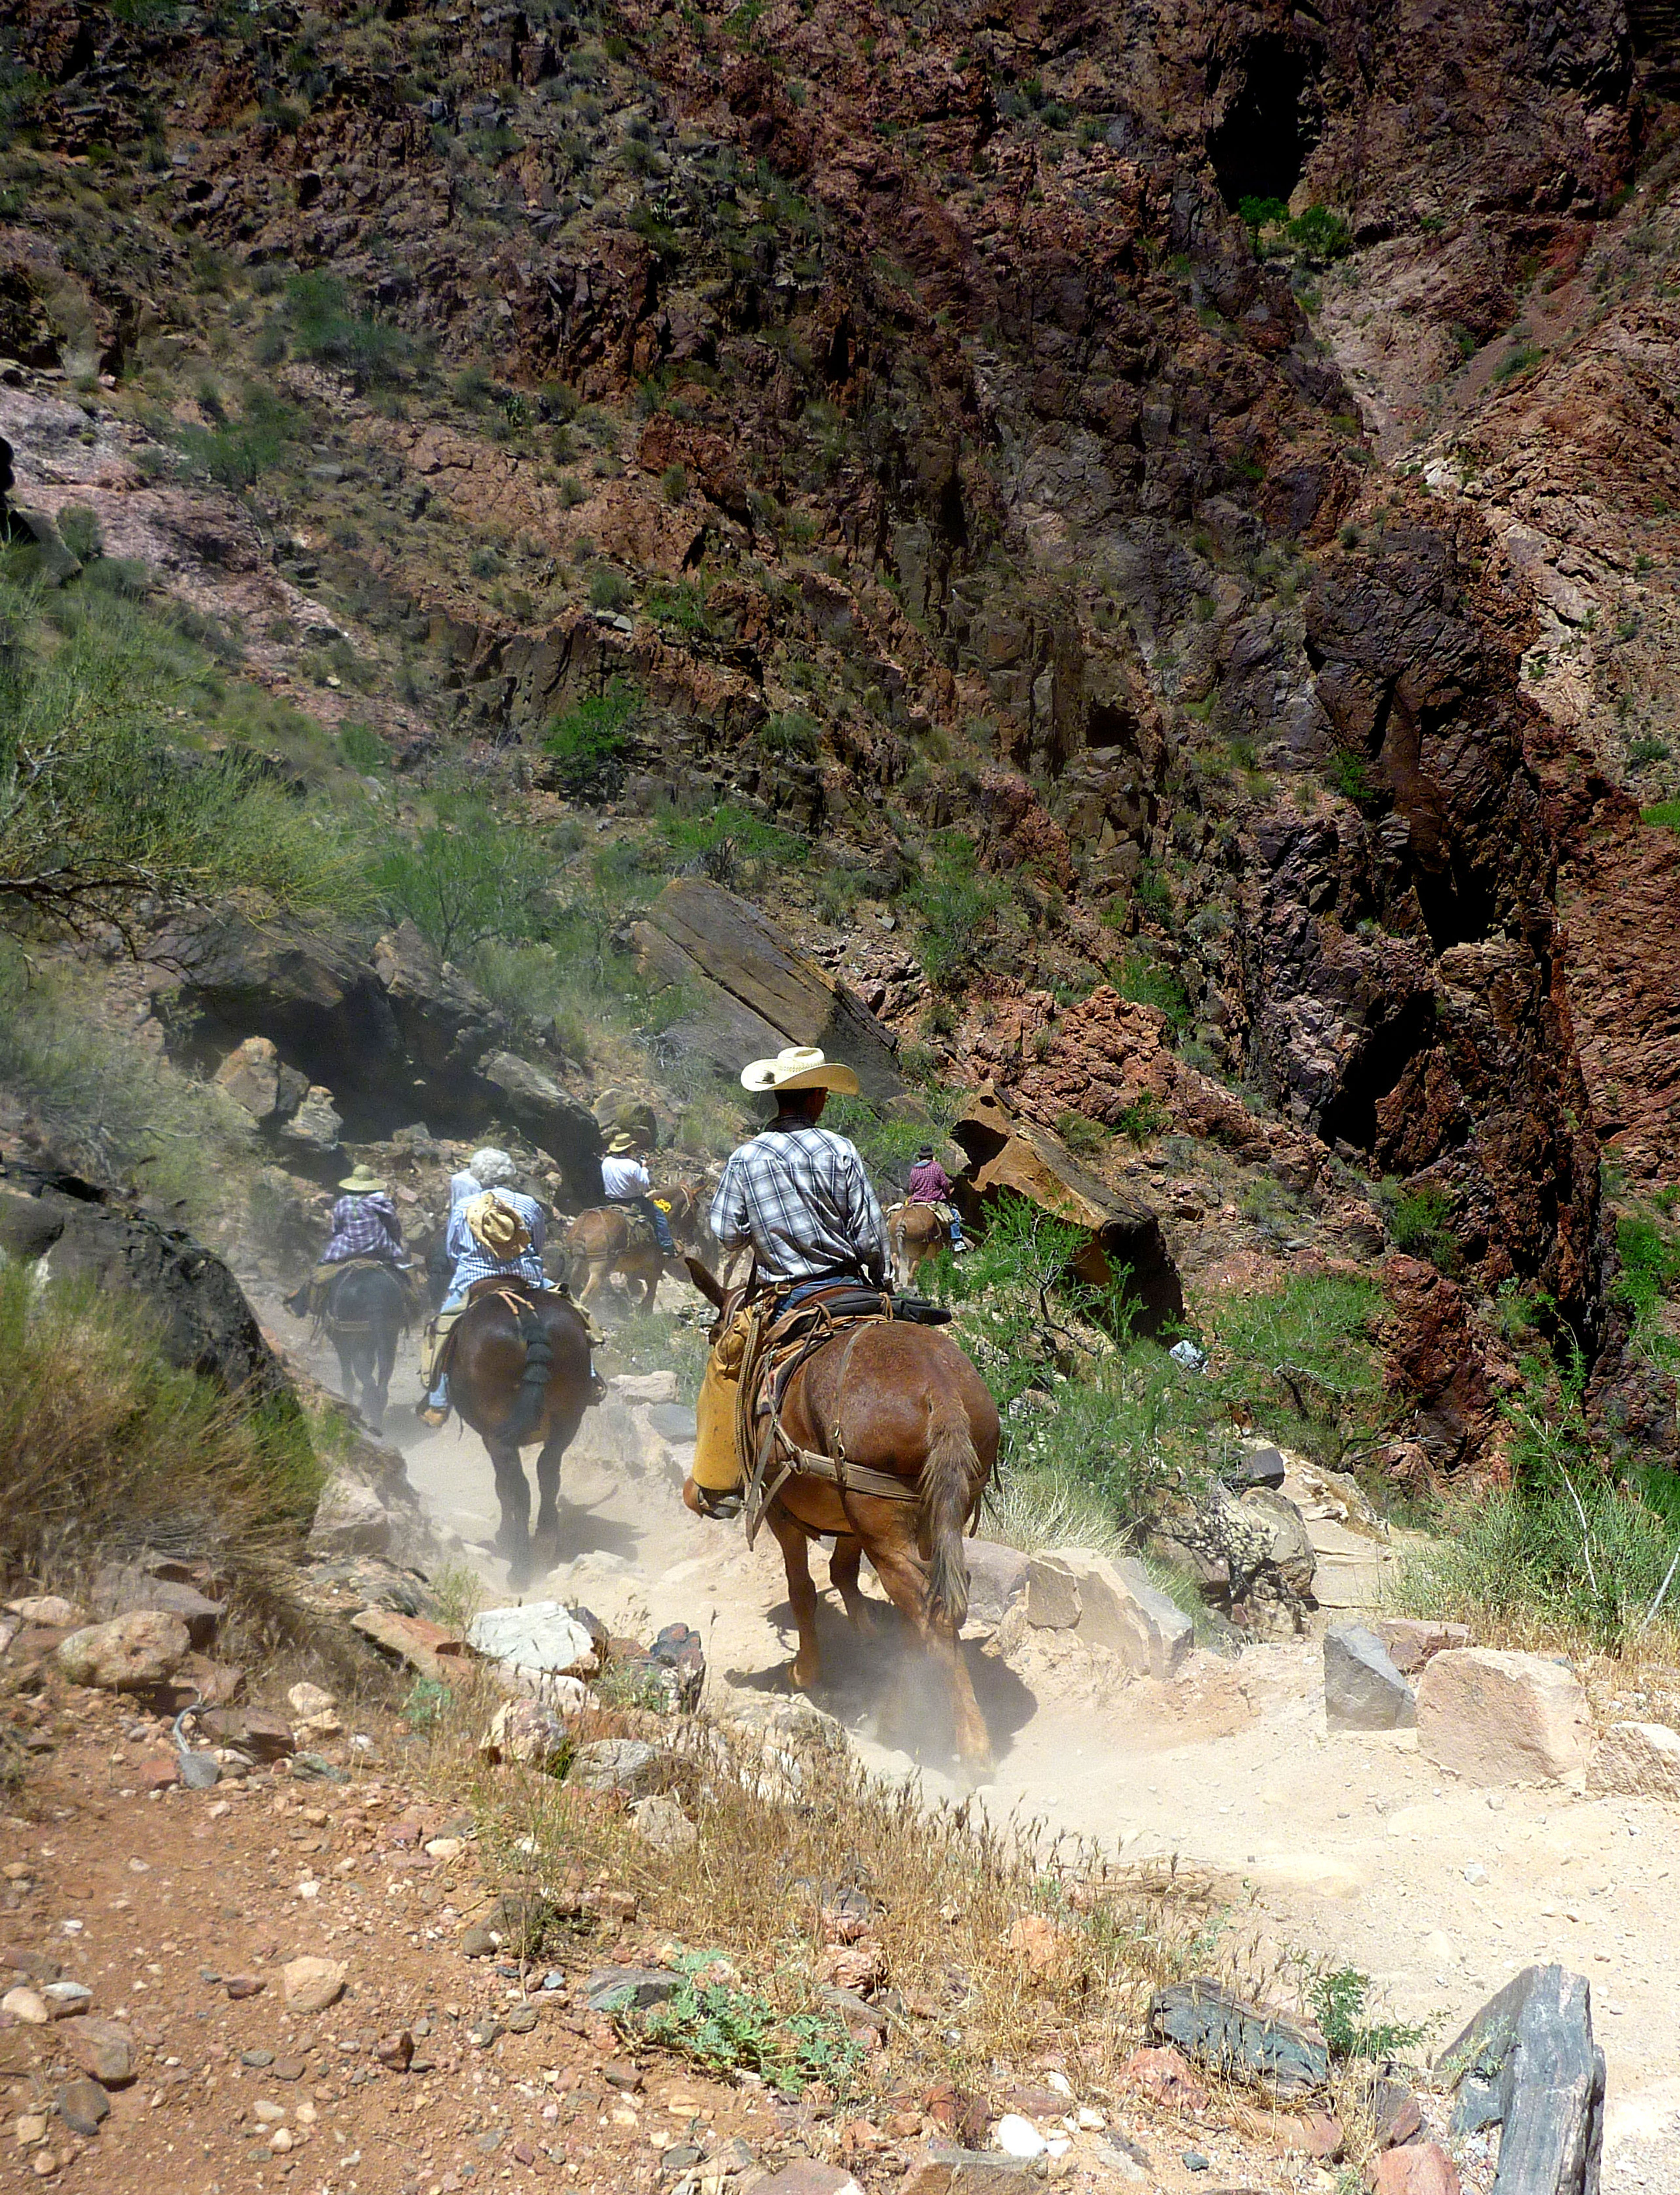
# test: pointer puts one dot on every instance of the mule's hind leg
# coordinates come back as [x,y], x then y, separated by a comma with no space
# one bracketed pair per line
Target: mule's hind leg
[513,1539]
[901,1571]
[807,1665]
[843,1576]
[560,1438]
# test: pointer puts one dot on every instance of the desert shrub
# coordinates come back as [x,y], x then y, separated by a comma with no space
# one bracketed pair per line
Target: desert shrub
[791,731]
[1143,1119]
[959,909]
[467,877]
[1086,1138]
[1419,1222]
[102,808]
[238,453]
[1303,1362]
[1640,752]
[361,749]
[326,327]
[590,743]
[661,1341]
[1262,213]
[105,1449]
[888,1143]
[1320,234]
[1663,814]
[1350,774]
[1147,982]
[725,840]
[1518,360]
[609,589]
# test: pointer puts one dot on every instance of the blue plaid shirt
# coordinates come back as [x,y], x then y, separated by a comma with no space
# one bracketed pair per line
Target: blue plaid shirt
[473,1262]
[364,1227]
[800,1196]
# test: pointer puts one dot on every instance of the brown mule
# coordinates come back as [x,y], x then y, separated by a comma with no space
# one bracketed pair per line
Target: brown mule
[609,1239]
[914,1231]
[903,1400]
[516,1376]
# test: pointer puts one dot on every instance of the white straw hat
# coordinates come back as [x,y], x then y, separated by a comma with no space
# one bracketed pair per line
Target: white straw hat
[801,1067]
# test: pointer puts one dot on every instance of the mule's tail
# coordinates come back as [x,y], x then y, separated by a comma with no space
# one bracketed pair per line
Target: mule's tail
[948,1487]
[527,1415]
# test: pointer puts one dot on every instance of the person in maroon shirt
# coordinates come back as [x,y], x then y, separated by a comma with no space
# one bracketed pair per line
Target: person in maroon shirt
[930,1183]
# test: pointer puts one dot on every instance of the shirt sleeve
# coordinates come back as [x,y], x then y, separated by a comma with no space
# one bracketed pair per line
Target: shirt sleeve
[868,1228]
[729,1216]
[642,1178]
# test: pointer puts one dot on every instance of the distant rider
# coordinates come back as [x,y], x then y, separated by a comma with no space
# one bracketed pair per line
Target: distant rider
[626,1180]
[496,1233]
[365,1224]
[800,1194]
[930,1183]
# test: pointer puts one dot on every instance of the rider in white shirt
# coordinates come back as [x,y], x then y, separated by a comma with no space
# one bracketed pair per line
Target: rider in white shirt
[625,1179]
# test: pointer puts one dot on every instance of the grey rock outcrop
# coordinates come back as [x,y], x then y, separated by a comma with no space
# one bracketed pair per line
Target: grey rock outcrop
[1362,1688]
[1528,2063]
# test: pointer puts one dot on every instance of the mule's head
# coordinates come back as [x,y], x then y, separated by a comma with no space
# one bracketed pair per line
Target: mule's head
[712,1289]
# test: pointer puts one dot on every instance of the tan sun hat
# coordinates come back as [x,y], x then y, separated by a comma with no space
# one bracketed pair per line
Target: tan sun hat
[363,1182]
[622,1143]
[801,1067]
[496,1227]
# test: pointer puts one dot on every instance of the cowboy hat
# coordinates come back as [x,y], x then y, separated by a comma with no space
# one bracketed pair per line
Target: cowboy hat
[623,1142]
[363,1182]
[496,1227]
[801,1067]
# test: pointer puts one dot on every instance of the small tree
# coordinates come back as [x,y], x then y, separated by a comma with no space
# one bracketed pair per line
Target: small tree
[590,745]
[468,879]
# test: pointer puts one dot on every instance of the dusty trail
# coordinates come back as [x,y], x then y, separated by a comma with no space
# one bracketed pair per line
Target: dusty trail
[1353,1849]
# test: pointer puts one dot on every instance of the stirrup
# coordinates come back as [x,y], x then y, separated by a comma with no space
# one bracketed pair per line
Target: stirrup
[723,1504]
[598,1388]
[429,1414]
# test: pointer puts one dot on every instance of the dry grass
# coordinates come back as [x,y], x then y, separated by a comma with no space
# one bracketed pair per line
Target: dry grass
[1001,1946]
[106,1450]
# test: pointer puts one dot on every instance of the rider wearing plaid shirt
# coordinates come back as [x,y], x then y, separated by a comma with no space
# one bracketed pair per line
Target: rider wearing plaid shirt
[364,1227]
[799,1195]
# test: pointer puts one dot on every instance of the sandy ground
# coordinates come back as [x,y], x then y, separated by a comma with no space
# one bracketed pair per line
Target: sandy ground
[1351,1849]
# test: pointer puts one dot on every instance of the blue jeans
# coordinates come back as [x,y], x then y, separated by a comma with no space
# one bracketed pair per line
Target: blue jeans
[438,1399]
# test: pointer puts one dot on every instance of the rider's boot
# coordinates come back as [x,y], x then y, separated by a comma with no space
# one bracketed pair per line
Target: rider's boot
[718,1502]
[435,1410]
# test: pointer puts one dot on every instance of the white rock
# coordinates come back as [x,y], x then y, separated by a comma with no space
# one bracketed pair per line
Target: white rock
[1059,2082]
[65,1999]
[310,1700]
[311,1985]
[48,1609]
[268,2114]
[132,1653]
[1500,1718]
[350,1520]
[542,1640]
[1638,1760]
[1018,2137]
[26,2005]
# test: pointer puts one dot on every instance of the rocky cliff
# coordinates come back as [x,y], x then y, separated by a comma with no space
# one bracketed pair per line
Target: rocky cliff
[959,432]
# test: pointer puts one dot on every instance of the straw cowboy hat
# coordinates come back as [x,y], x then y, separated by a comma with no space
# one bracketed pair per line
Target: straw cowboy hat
[363,1182]
[623,1142]
[496,1226]
[801,1067]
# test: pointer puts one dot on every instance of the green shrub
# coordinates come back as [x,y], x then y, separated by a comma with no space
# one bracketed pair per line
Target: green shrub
[467,877]
[1320,234]
[1303,1362]
[1350,774]
[791,732]
[1143,1119]
[1145,982]
[959,909]
[325,327]
[1339,1999]
[238,453]
[100,807]
[1418,1221]
[673,482]
[1086,1138]
[1258,213]
[105,1448]
[1662,815]
[728,2028]
[361,749]
[609,589]
[1640,752]
[590,745]
[1518,360]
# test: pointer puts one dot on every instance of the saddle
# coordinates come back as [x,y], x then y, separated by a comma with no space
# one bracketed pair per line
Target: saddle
[514,1289]
[784,1329]
[321,1290]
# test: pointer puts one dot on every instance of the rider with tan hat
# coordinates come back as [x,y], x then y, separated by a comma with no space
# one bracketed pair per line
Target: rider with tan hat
[496,1235]
[800,1195]
[365,1224]
[626,1180]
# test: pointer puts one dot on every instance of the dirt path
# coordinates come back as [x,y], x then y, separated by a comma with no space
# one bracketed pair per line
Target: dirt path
[1351,1849]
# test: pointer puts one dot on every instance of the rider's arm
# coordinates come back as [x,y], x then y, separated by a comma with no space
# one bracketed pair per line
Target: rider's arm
[868,1228]
[728,1215]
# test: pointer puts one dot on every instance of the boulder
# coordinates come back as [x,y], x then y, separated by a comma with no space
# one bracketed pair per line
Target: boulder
[1493,1717]
[132,1653]
[1110,1603]
[526,1731]
[349,1519]
[1411,1641]
[128,1591]
[1637,1760]
[662,1823]
[555,1120]
[541,1639]
[316,1124]
[1007,1156]
[259,1081]
[1257,1466]
[1362,1688]
[1528,2063]
[311,1985]
[757,991]
[1240,2040]
[1420,2169]
[1053,1601]
[630,1989]
[257,1732]
[445,1023]
[48,1609]
[627,1764]
[1287,1550]
[85,1233]
[83,2106]
[996,1580]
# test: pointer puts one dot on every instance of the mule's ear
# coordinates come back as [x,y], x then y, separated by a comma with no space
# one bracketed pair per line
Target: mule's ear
[703,1282]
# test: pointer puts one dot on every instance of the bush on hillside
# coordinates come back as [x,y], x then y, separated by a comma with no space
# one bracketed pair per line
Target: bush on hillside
[325,327]
[100,807]
[959,909]
[590,743]
[466,878]
[106,1449]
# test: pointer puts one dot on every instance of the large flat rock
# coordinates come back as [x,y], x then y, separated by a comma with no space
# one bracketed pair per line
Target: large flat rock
[757,991]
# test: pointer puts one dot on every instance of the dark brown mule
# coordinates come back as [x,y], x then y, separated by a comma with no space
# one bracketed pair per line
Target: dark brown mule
[608,1238]
[903,1400]
[516,1378]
